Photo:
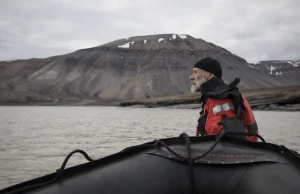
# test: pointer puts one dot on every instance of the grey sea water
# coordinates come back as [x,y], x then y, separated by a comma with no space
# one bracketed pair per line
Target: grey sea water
[35,140]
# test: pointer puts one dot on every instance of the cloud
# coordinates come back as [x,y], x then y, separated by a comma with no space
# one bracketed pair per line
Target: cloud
[255,30]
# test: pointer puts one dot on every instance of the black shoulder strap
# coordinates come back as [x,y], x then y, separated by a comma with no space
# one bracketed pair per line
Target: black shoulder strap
[236,96]
[203,100]
[235,82]
[238,101]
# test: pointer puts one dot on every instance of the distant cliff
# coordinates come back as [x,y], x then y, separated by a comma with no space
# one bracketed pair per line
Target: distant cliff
[132,68]
[289,70]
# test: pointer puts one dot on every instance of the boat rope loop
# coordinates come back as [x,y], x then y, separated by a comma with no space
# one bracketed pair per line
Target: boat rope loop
[58,174]
[59,171]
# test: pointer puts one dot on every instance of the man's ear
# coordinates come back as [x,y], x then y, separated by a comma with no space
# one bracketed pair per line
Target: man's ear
[210,75]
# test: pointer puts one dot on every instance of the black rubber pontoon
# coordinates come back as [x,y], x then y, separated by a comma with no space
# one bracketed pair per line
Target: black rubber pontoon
[206,165]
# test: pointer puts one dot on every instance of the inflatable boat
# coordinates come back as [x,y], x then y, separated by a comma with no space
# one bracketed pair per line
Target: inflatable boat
[205,165]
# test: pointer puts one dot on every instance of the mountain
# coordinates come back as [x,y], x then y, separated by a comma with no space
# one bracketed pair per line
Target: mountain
[287,70]
[134,68]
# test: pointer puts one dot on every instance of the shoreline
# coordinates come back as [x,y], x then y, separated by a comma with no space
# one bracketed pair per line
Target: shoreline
[275,99]
[266,99]
[272,107]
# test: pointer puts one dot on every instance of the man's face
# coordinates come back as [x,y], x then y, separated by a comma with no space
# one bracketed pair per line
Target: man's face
[197,78]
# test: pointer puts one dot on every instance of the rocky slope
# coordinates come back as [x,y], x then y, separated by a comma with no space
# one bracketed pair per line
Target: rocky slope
[131,68]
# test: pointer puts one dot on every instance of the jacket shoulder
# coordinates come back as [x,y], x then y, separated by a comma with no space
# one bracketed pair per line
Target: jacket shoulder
[220,106]
[214,101]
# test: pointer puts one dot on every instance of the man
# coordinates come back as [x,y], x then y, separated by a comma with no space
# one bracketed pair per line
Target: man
[223,106]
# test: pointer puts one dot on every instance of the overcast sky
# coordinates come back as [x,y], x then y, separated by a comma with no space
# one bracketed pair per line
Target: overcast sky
[253,29]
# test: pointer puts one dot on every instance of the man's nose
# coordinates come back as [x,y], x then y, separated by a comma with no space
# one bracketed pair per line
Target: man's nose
[192,77]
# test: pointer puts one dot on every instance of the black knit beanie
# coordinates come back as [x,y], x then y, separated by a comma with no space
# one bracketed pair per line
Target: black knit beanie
[210,65]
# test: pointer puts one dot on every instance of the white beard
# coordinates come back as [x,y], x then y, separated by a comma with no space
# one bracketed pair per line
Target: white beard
[195,87]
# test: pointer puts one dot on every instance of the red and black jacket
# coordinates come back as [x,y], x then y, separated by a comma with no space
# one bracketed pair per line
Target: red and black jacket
[224,108]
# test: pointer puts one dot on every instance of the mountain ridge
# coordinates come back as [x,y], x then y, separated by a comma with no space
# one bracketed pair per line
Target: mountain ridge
[147,66]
